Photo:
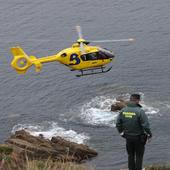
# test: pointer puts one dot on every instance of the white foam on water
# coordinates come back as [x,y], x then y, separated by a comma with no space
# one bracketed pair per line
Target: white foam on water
[168,106]
[149,110]
[97,111]
[50,129]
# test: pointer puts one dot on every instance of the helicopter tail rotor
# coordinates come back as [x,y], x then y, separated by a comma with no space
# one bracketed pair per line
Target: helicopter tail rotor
[21,61]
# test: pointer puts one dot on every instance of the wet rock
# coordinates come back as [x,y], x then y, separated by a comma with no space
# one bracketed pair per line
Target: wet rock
[78,150]
[37,147]
[120,104]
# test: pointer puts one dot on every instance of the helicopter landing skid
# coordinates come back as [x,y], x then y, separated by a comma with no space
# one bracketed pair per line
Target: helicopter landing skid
[92,71]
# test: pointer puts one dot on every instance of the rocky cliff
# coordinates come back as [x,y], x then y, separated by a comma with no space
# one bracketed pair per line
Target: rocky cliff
[22,146]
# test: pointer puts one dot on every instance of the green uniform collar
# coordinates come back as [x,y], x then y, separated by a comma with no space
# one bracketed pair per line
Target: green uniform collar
[130,104]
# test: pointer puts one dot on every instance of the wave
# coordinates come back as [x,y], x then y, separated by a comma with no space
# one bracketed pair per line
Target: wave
[97,111]
[50,129]
[168,106]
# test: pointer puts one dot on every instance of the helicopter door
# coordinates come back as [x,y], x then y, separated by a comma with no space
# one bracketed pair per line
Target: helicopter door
[89,57]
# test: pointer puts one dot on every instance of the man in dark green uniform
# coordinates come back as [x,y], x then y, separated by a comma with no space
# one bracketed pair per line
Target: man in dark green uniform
[132,124]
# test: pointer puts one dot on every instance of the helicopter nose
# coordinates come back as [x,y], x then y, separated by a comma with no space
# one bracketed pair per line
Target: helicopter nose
[112,56]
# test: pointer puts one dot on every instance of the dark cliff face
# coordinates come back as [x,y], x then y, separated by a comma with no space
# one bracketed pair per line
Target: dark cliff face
[23,144]
[56,148]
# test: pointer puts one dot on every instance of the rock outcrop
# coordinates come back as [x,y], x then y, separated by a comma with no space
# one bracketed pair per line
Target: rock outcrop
[23,143]
[120,104]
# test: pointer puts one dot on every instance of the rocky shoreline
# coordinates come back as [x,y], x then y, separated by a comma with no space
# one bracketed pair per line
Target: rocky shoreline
[22,146]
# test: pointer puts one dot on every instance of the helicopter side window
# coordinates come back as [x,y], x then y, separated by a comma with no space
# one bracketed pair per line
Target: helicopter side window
[90,56]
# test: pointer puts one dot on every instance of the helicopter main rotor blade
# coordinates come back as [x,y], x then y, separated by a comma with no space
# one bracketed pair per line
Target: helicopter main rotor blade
[82,48]
[120,40]
[79,31]
[80,40]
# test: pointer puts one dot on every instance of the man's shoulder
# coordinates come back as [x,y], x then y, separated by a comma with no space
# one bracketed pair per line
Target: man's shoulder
[124,109]
[138,110]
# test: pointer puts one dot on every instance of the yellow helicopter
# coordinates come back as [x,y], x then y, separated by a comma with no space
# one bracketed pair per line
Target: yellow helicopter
[80,56]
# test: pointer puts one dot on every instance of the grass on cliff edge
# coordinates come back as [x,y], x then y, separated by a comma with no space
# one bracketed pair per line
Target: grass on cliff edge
[158,167]
[11,161]
[43,165]
[49,165]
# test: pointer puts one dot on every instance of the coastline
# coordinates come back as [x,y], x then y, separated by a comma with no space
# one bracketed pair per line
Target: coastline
[24,151]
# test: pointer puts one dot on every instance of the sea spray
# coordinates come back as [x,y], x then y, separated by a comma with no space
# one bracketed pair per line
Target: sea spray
[98,110]
[50,129]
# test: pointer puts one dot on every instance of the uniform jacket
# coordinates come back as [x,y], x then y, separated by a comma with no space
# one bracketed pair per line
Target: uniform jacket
[133,121]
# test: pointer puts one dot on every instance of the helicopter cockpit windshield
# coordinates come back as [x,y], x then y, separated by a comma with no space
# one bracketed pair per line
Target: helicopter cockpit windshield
[100,55]
[107,53]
